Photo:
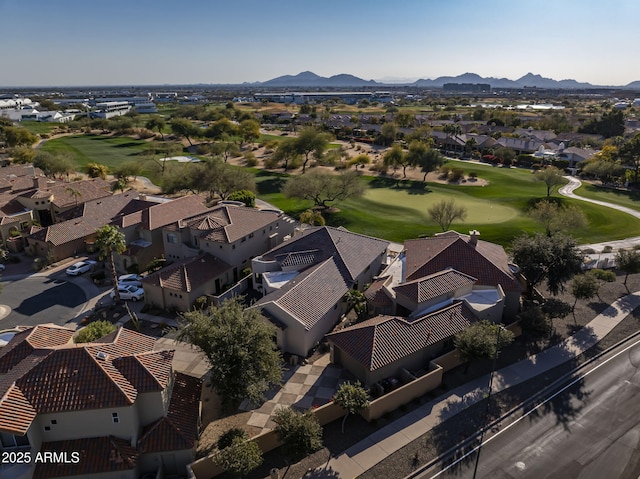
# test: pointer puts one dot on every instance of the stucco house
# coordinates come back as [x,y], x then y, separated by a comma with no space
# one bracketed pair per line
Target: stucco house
[116,403]
[433,290]
[304,281]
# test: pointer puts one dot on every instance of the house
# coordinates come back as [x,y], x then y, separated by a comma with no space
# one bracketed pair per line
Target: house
[304,281]
[381,347]
[114,406]
[233,233]
[76,235]
[178,285]
[142,221]
[432,291]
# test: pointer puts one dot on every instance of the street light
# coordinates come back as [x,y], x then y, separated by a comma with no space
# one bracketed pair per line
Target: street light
[486,412]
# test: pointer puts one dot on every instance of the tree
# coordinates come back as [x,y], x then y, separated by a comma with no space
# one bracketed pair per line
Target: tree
[96,170]
[421,155]
[223,179]
[629,262]
[109,241]
[610,124]
[128,171]
[554,258]
[23,154]
[355,299]
[310,141]
[245,196]
[353,398]
[73,193]
[506,155]
[156,122]
[630,153]
[311,217]
[396,158]
[286,152]
[583,286]
[324,188]
[249,130]
[551,177]
[57,164]
[481,340]
[93,331]
[360,160]
[555,217]
[446,212]
[15,136]
[183,127]
[237,454]
[240,347]
[388,133]
[300,433]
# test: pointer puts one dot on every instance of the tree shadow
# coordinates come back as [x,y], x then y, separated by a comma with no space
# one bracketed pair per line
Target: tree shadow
[326,472]
[271,185]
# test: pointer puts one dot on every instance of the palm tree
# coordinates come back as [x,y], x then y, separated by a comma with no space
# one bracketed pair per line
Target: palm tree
[74,193]
[108,241]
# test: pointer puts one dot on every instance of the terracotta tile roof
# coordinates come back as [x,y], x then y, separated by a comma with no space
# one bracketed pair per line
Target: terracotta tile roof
[376,295]
[161,214]
[97,455]
[435,285]
[486,261]
[45,374]
[355,251]
[148,371]
[382,340]
[96,213]
[178,430]
[311,294]
[88,190]
[227,223]
[189,273]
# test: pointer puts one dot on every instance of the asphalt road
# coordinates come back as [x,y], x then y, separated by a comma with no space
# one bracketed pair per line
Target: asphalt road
[591,430]
[40,299]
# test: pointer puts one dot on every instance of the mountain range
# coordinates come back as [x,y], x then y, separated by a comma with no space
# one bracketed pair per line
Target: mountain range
[310,79]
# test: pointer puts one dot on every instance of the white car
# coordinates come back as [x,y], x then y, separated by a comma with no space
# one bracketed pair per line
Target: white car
[80,267]
[2,267]
[132,279]
[129,292]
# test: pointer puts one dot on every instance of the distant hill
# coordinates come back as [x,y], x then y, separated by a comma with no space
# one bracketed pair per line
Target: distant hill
[310,79]
[529,80]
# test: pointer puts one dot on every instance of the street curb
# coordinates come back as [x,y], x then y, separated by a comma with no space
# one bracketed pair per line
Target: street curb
[521,406]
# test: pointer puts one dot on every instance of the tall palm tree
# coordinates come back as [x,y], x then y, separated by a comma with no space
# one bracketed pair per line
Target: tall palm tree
[74,193]
[109,241]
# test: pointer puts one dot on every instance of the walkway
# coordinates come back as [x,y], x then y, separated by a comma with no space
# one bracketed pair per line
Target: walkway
[389,439]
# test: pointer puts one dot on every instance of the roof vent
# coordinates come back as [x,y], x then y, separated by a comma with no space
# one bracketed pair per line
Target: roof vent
[102,355]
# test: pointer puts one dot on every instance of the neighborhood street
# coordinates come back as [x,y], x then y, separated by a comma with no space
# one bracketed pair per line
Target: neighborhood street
[588,431]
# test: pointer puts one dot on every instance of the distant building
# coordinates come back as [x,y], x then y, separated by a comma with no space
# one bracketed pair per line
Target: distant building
[467,87]
[349,97]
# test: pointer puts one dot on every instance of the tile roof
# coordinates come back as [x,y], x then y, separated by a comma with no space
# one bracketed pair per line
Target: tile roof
[96,213]
[97,455]
[178,430]
[45,374]
[375,293]
[88,190]
[355,251]
[382,340]
[227,223]
[434,285]
[486,261]
[187,274]
[311,294]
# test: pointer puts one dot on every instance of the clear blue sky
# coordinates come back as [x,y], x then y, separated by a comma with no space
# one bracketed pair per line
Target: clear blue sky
[133,42]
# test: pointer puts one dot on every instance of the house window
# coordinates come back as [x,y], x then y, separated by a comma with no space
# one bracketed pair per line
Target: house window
[250,235]
[47,428]
[54,422]
[9,441]
[244,238]
[115,418]
[233,247]
[171,238]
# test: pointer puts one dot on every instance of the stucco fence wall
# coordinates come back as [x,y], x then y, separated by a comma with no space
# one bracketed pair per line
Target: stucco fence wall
[205,468]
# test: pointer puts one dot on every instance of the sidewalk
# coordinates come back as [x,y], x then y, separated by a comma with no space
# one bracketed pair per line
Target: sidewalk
[389,439]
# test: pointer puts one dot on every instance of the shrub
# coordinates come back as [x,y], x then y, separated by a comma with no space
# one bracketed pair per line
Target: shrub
[94,331]
[229,436]
[237,455]
[300,433]
[473,174]
[245,196]
[455,175]
[533,320]
[201,303]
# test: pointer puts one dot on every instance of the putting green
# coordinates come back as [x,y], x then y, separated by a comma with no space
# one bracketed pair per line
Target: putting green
[481,211]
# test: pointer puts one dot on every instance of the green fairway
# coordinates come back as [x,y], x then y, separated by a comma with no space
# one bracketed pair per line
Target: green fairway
[630,199]
[39,127]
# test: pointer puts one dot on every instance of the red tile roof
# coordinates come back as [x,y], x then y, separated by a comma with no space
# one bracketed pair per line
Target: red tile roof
[97,455]
[382,340]
[189,273]
[486,261]
[45,374]
[178,430]
[375,293]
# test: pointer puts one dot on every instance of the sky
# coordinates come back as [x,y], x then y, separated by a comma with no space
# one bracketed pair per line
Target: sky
[144,42]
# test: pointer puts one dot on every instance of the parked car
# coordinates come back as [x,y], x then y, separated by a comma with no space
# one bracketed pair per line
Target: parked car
[2,267]
[128,292]
[80,267]
[132,279]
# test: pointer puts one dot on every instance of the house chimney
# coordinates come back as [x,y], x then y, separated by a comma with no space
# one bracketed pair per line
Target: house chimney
[473,237]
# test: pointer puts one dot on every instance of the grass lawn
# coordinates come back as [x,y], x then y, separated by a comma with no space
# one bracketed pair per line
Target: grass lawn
[397,210]
[630,199]
[39,127]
